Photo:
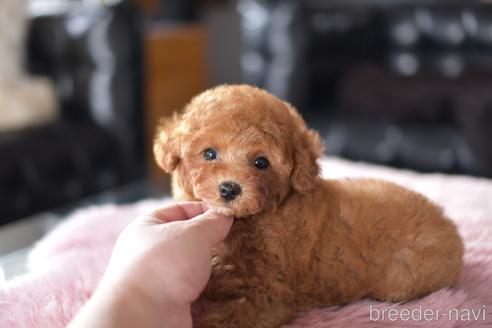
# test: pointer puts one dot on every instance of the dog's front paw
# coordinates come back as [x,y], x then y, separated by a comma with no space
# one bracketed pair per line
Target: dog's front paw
[231,314]
[224,283]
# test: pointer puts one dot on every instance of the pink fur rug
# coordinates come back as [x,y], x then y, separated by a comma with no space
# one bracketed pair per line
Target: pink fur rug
[66,265]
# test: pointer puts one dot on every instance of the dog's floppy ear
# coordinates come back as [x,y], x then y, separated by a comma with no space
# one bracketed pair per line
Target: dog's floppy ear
[167,144]
[306,169]
[307,149]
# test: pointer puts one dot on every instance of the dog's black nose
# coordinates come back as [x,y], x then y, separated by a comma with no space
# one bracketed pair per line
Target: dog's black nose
[229,190]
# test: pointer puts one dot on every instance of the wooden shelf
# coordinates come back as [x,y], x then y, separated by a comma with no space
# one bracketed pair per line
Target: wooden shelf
[175,71]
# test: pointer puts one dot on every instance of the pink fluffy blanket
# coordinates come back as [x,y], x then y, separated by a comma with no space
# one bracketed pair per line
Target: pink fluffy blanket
[66,265]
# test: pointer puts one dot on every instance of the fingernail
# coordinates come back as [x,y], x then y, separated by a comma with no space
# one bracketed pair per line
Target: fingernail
[214,211]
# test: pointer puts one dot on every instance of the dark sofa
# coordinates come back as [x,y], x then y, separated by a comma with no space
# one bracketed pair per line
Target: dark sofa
[92,54]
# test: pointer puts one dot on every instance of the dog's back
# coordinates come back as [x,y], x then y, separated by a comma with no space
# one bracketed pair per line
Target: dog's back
[392,242]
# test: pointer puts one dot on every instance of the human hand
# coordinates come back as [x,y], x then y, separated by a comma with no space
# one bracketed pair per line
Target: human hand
[160,264]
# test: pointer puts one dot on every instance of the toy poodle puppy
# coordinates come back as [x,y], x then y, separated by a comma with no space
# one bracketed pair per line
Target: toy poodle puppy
[298,241]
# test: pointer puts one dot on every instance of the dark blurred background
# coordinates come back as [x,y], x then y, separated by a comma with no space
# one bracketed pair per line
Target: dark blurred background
[399,83]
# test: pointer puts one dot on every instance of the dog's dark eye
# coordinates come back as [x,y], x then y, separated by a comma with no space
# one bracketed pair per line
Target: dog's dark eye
[261,163]
[210,154]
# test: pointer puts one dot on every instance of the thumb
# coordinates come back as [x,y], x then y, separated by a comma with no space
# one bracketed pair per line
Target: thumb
[212,226]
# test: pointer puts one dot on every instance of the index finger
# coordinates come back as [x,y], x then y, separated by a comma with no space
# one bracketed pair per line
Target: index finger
[177,212]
